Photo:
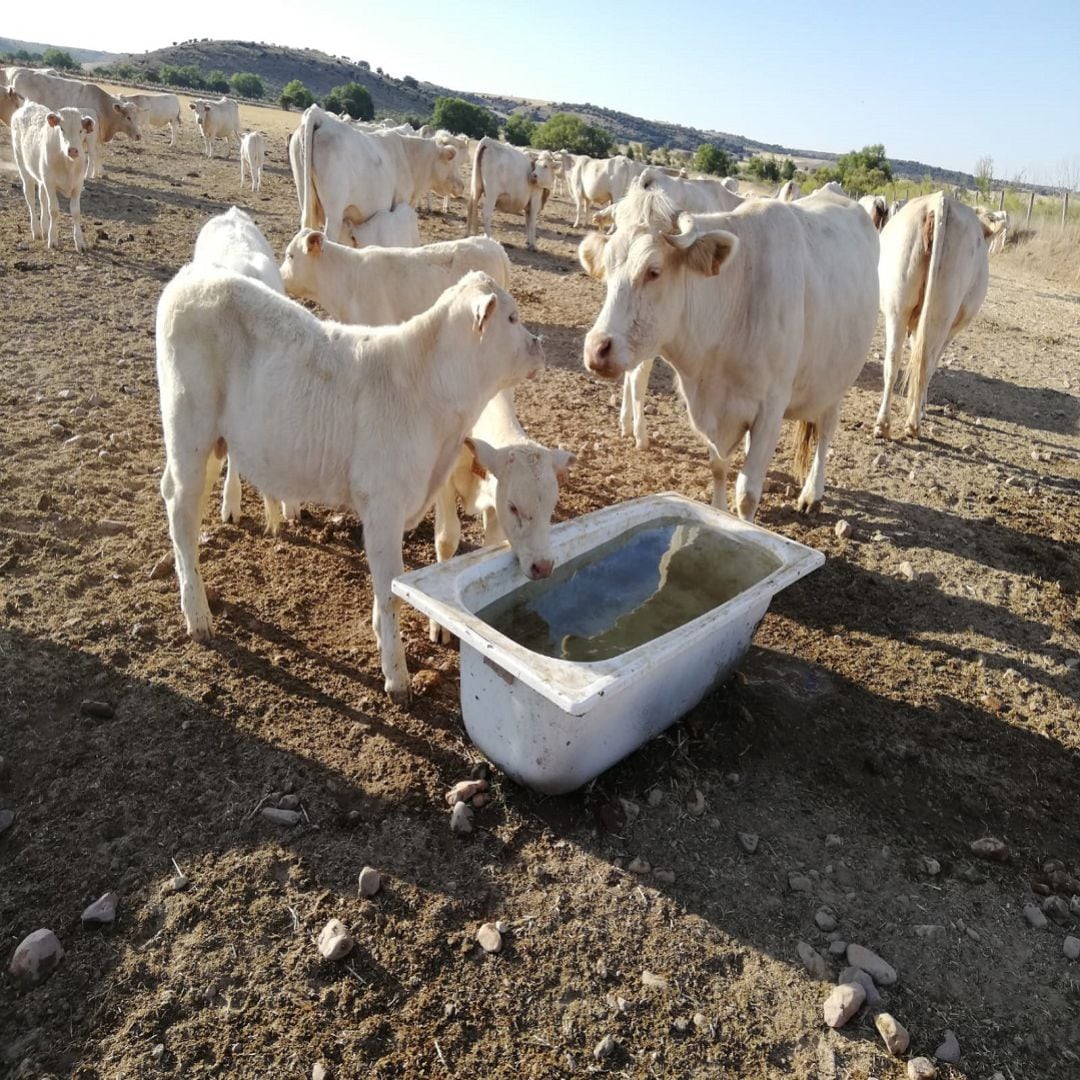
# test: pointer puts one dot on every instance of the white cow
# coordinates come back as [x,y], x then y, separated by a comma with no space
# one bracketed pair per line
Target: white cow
[371,419]
[234,242]
[217,120]
[9,102]
[877,208]
[461,145]
[343,175]
[694,196]
[252,152]
[999,221]
[50,150]
[379,286]
[113,116]
[158,110]
[934,274]
[789,191]
[765,313]
[397,228]
[731,183]
[515,182]
[599,182]
[509,480]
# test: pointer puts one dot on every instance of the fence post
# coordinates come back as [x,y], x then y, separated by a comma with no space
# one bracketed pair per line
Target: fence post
[1064,209]
[1031,203]
[1001,199]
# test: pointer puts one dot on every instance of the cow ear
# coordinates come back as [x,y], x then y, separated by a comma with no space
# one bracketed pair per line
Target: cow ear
[447,153]
[485,457]
[88,124]
[53,119]
[591,254]
[482,309]
[710,251]
[313,243]
[561,460]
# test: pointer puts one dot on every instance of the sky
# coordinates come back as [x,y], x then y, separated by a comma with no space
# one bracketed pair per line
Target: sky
[943,83]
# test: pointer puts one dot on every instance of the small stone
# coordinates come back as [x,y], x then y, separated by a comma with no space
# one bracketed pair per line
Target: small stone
[748,841]
[701,1021]
[288,802]
[461,818]
[857,975]
[57,430]
[464,790]
[825,919]
[837,948]
[990,847]
[1074,904]
[654,982]
[480,799]
[882,973]
[681,1024]
[335,941]
[480,771]
[35,959]
[843,529]
[65,395]
[370,881]
[319,1071]
[949,1050]
[880,461]
[101,912]
[175,884]
[631,810]
[1057,909]
[833,842]
[655,797]
[489,937]
[812,960]
[157,1053]
[163,567]
[973,933]
[281,817]
[930,931]
[1033,914]
[906,571]
[921,1068]
[1071,947]
[638,865]
[928,866]
[695,805]
[100,710]
[892,1032]
[842,1004]
[605,1048]
[6,818]
[666,876]
[799,882]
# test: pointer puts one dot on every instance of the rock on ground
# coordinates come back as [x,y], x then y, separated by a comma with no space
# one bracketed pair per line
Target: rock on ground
[842,1004]
[857,975]
[990,847]
[370,881]
[489,938]
[1033,914]
[949,1050]
[884,974]
[892,1032]
[921,1068]
[813,961]
[1071,947]
[35,959]
[335,941]
[461,818]
[101,912]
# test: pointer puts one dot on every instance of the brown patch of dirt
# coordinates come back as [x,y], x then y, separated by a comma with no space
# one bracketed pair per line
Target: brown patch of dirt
[875,721]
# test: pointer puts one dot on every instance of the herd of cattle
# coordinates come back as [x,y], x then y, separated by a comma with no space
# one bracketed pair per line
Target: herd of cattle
[764,307]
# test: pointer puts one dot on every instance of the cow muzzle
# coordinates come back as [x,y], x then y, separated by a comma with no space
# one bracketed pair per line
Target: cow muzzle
[600,355]
[73,152]
[541,568]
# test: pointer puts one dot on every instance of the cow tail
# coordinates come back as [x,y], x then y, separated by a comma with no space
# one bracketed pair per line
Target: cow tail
[805,445]
[309,217]
[919,366]
[476,192]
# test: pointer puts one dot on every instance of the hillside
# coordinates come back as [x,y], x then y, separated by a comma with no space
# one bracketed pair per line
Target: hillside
[84,56]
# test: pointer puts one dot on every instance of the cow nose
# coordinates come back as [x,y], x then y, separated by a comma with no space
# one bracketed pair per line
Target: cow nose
[598,353]
[73,152]
[541,569]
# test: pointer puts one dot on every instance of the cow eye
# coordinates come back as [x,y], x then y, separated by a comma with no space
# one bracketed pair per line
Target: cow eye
[652,273]
[514,510]
[513,317]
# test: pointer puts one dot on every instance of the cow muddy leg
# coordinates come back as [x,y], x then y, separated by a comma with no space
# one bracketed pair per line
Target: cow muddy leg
[447,538]
[764,435]
[182,487]
[814,489]
[383,530]
[894,344]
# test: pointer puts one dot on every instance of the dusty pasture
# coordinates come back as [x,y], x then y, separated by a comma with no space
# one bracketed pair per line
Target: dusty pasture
[876,722]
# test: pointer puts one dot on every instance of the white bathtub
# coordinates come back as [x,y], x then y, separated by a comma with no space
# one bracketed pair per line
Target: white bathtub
[555,724]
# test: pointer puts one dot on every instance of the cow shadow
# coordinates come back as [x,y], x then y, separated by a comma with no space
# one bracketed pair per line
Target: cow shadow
[1037,408]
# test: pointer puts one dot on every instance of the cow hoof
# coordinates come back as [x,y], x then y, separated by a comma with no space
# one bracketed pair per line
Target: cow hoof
[400,696]
[202,632]
[912,430]
[642,444]
[807,506]
[881,429]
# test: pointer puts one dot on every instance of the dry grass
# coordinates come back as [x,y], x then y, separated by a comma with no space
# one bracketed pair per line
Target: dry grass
[1049,251]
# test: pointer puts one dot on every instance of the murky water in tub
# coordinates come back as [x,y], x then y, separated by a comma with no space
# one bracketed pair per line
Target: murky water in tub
[643,583]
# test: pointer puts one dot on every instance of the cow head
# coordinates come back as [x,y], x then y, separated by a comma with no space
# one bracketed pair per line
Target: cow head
[645,264]
[126,119]
[300,269]
[542,173]
[514,352]
[9,102]
[527,488]
[72,129]
[446,179]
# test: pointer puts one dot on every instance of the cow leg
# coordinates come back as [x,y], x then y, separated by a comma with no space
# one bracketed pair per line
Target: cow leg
[31,193]
[230,497]
[639,385]
[50,216]
[814,489]
[446,204]
[242,175]
[718,467]
[487,212]
[764,435]
[532,210]
[447,538]
[182,487]
[174,127]
[272,514]
[290,511]
[894,345]
[75,208]
[383,529]
[493,530]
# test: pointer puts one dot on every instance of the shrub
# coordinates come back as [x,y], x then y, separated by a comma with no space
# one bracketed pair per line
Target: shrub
[63,61]
[463,118]
[787,170]
[710,158]
[246,84]
[519,130]
[296,93]
[351,98]
[216,81]
[152,75]
[409,81]
[564,131]
[763,168]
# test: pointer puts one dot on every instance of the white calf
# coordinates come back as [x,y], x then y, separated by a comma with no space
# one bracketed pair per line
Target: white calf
[378,286]
[50,148]
[512,482]
[371,419]
[398,228]
[252,152]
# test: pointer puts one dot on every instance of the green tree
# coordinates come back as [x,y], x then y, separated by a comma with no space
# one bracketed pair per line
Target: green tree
[246,84]
[710,158]
[864,170]
[296,93]
[564,131]
[63,61]
[409,81]
[152,75]
[351,98]
[763,168]
[984,175]
[216,81]
[519,130]
[462,118]
[787,170]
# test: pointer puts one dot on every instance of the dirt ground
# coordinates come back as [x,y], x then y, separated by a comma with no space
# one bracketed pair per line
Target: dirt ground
[877,722]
